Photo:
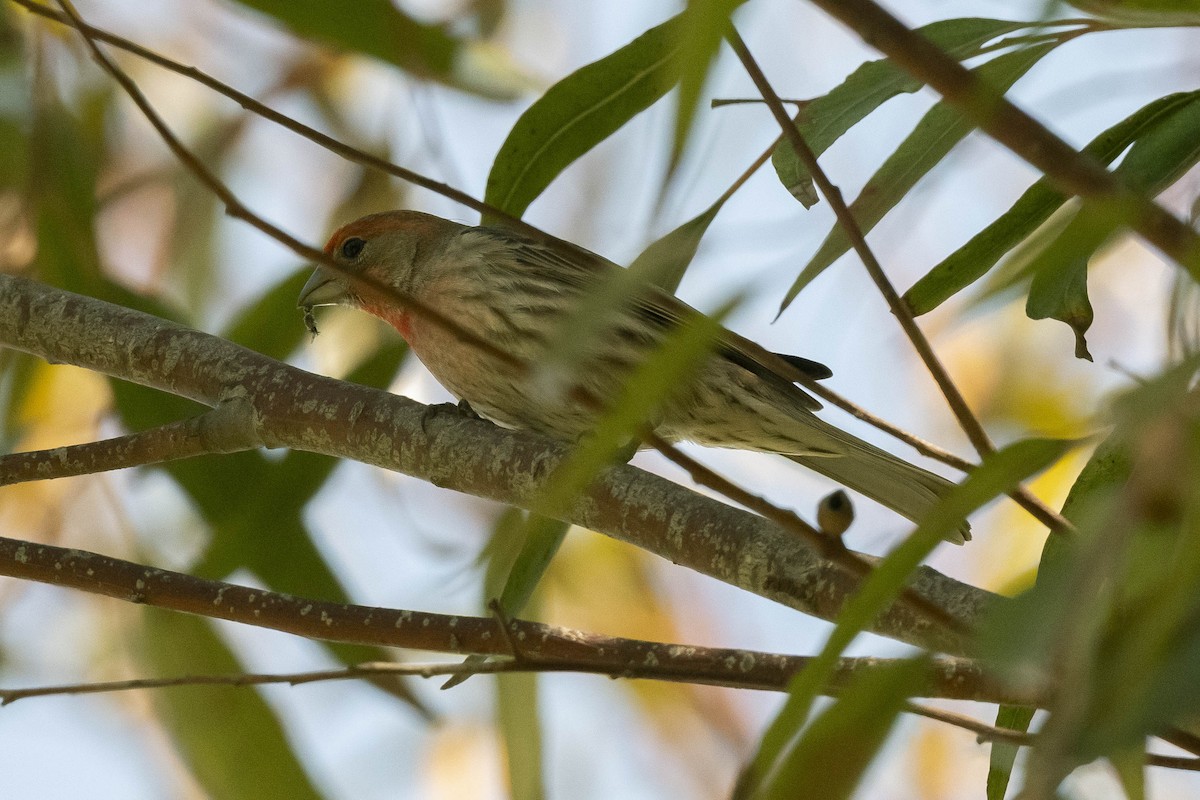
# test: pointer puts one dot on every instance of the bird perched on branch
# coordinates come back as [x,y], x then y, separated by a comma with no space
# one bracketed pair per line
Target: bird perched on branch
[481,292]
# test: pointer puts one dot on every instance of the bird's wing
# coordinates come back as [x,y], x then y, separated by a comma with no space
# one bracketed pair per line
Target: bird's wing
[584,269]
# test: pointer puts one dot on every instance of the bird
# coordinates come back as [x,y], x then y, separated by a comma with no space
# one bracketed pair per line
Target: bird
[518,293]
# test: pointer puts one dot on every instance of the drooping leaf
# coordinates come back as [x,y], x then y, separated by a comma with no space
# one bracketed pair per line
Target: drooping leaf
[215,728]
[938,132]
[823,121]
[579,112]
[972,261]
[829,759]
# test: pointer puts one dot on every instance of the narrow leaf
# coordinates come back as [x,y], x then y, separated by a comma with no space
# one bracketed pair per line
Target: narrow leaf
[579,112]
[823,120]
[973,260]
[938,132]
[665,261]
[829,760]
[1004,754]
[1059,287]
[705,24]
[521,728]
[217,727]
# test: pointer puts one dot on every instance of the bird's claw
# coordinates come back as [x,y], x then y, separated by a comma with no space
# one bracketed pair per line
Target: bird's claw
[462,408]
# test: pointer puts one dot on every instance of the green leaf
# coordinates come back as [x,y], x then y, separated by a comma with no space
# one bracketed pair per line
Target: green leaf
[1004,755]
[1059,287]
[579,112]
[830,758]
[705,24]
[521,729]
[1144,13]
[998,473]
[216,729]
[972,261]
[826,118]
[1130,766]
[377,28]
[938,132]
[665,261]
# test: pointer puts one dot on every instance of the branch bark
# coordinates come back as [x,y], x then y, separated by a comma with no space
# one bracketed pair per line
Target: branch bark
[296,409]
[525,646]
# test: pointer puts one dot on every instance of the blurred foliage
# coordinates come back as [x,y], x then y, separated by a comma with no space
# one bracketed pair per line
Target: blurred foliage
[1114,609]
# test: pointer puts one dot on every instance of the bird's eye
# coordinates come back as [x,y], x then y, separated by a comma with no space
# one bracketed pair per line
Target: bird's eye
[352,247]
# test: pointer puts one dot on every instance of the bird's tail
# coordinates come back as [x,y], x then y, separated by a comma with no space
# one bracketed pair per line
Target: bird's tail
[906,489]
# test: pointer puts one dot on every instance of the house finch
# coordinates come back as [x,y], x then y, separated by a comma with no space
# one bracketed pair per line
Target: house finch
[516,293]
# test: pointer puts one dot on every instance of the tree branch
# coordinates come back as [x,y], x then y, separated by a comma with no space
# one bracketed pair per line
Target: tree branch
[226,428]
[297,409]
[542,648]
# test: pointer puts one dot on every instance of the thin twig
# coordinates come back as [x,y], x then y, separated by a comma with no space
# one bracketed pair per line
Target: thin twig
[226,428]
[900,310]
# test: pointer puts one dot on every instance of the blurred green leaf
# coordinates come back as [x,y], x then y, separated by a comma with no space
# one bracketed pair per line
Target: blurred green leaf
[665,261]
[377,28]
[823,120]
[66,151]
[540,539]
[830,758]
[579,112]
[999,473]
[971,261]
[521,729]
[705,23]
[1004,755]
[1144,13]
[1130,766]
[938,132]
[673,363]
[228,736]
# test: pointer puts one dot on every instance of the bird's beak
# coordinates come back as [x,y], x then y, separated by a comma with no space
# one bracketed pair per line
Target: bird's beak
[323,289]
